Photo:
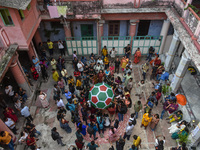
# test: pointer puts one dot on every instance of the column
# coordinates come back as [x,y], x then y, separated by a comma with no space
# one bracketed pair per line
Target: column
[31,51]
[132,29]
[172,51]
[20,76]
[163,33]
[37,37]
[180,71]
[100,34]
[66,25]
[186,12]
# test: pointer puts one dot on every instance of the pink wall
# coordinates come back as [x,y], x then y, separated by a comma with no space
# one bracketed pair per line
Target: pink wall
[23,30]
[107,2]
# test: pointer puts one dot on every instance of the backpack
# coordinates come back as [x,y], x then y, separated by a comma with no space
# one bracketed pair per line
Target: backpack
[134,122]
[67,106]
[90,130]
[124,110]
[160,146]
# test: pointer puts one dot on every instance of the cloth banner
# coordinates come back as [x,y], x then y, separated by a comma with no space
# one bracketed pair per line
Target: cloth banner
[62,10]
[53,11]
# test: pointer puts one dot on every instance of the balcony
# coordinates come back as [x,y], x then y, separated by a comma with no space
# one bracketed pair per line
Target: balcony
[76,9]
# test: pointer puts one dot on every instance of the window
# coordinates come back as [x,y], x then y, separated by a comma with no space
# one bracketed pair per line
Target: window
[5,15]
[86,30]
[113,28]
[21,13]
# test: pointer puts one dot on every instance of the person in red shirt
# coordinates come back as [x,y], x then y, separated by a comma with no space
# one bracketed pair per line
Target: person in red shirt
[31,141]
[79,144]
[111,111]
[158,95]
[92,118]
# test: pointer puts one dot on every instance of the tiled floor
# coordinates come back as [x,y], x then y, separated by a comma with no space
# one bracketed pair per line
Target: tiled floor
[46,119]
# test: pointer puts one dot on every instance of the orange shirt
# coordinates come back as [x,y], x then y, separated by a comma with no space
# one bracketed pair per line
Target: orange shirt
[5,139]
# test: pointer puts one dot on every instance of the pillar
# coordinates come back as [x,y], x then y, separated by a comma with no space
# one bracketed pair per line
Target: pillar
[180,71]
[186,12]
[37,37]
[66,25]
[132,29]
[20,76]
[172,51]
[163,33]
[100,34]
[3,127]
[31,51]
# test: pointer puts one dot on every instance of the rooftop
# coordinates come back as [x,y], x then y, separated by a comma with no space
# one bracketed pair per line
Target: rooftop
[18,4]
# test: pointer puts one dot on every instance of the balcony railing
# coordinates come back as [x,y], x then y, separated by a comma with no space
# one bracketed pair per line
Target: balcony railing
[192,20]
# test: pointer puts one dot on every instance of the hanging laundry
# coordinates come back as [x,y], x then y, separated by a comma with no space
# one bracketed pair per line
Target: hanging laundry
[53,12]
[62,10]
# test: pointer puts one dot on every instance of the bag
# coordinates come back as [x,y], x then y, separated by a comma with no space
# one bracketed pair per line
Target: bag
[134,122]
[67,106]
[90,130]
[124,110]
[53,136]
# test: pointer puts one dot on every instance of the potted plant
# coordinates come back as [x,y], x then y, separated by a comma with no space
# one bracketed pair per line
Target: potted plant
[183,138]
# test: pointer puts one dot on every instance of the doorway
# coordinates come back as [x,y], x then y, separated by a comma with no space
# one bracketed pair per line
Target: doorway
[143,27]
[86,30]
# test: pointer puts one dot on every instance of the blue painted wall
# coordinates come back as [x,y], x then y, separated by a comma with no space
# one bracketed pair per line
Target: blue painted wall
[155,27]
[53,37]
[76,27]
[123,28]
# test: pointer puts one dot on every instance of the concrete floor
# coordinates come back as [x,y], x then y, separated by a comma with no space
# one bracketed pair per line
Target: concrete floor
[45,119]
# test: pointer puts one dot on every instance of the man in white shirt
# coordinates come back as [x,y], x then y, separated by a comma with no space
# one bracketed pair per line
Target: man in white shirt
[98,67]
[60,103]
[129,129]
[11,125]
[112,54]
[9,92]
[26,113]
[64,74]
[61,47]
[80,66]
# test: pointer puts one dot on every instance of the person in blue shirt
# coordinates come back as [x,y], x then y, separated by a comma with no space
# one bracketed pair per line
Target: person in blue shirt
[71,106]
[95,129]
[83,60]
[92,145]
[68,95]
[36,63]
[133,147]
[101,127]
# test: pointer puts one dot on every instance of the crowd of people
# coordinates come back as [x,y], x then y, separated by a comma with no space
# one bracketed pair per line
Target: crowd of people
[89,120]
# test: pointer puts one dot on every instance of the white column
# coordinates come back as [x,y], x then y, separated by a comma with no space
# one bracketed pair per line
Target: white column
[180,71]
[172,51]
[164,31]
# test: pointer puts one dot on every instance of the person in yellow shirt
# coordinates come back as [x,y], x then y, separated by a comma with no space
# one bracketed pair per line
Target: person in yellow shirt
[55,75]
[104,52]
[106,62]
[78,83]
[145,120]
[136,141]
[50,47]
[6,138]
[124,62]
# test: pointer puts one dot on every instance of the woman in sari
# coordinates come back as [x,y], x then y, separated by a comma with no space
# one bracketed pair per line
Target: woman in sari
[137,56]
[101,75]
[112,69]
[34,72]
[146,120]
[9,113]
[124,62]
[43,99]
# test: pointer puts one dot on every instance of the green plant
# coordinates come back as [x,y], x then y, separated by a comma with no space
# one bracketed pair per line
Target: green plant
[166,90]
[183,138]
[196,10]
